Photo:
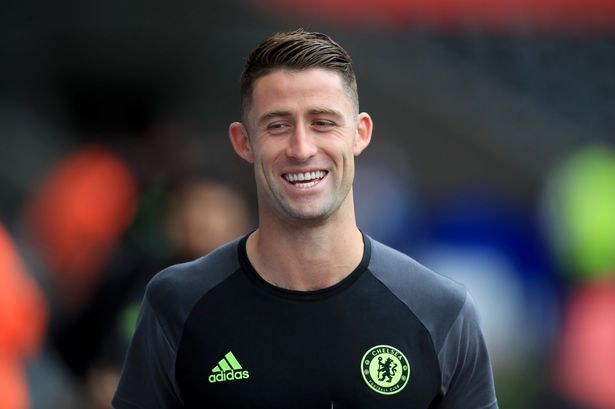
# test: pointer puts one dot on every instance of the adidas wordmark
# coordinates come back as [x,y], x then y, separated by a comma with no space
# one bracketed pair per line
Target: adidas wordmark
[228,369]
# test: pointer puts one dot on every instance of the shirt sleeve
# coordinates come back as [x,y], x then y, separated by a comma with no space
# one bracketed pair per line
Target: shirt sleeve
[148,375]
[467,379]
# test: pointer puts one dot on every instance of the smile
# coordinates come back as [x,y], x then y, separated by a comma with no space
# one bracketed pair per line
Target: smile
[305,179]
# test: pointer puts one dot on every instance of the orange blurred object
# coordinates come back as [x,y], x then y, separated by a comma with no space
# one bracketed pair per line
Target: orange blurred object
[23,321]
[77,216]
[585,365]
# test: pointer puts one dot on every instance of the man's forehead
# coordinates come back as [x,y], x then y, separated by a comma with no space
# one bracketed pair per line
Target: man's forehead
[283,89]
[282,78]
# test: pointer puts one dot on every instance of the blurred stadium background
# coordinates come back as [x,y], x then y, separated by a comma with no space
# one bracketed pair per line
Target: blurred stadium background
[493,162]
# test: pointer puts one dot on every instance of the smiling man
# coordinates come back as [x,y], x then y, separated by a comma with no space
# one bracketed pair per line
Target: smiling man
[306,311]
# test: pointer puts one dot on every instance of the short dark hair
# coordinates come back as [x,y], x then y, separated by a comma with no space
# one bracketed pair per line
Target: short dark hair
[296,50]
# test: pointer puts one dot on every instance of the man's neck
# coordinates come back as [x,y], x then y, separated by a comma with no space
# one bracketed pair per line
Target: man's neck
[305,258]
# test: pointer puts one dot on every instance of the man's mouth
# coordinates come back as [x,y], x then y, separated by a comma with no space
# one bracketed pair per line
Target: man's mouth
[305,179]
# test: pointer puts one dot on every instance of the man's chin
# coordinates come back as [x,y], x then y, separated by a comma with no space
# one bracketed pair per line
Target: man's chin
[311,217]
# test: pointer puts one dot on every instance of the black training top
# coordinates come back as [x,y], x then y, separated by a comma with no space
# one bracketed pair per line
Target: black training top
[213,334]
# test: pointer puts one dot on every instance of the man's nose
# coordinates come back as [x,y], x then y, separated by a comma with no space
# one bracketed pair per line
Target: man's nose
[301,144]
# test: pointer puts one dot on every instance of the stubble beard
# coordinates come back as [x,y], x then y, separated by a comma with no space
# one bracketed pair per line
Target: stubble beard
[310,214]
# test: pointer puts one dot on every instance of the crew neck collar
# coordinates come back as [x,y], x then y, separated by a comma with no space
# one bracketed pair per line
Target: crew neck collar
[298,295]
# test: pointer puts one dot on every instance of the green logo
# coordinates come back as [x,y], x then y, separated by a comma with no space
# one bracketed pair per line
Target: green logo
[385,369]
[228,369]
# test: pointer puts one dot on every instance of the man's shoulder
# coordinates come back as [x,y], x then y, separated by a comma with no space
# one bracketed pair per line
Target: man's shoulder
[400,270]
[436,300]
[178,287]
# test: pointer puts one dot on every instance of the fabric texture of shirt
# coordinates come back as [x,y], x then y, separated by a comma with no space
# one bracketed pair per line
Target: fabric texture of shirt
[392,334]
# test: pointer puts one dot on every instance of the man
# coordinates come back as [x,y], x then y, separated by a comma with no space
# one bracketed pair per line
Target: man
[306,311]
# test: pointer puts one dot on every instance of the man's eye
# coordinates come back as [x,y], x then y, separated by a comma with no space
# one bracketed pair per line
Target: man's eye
[323,124]
[277,127]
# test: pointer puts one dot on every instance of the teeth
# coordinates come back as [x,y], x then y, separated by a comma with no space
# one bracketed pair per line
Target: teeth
[308,184]
[298,177]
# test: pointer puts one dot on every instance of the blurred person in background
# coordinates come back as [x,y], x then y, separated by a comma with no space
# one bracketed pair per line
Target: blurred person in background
[74,223]
[306,311]
[202,214]
[205,214]
[76,218]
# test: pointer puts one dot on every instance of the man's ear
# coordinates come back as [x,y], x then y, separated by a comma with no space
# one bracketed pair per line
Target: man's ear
[241,141]
[364,133]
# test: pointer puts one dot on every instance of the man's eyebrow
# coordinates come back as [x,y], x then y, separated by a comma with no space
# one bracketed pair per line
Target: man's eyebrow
[326,111]
[285,114]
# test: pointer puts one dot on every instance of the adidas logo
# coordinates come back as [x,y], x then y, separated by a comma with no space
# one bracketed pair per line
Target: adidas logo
[228,369]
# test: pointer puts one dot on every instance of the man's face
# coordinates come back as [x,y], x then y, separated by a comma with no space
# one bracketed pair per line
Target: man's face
[303,133]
